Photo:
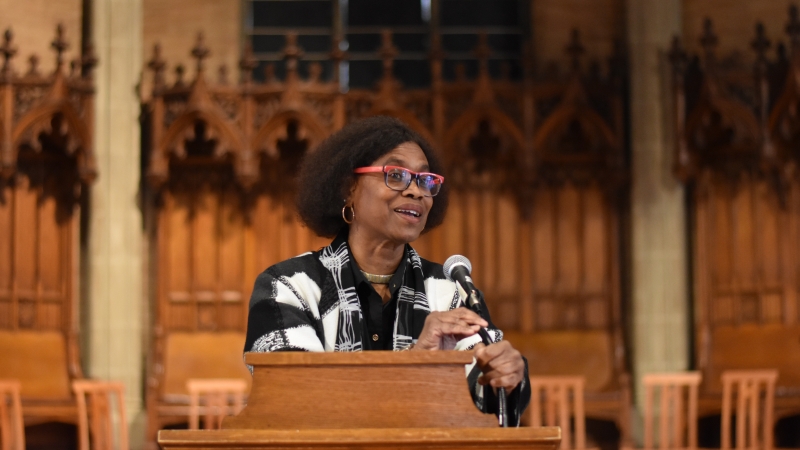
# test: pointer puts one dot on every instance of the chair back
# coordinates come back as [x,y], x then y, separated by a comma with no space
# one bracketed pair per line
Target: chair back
[754,394]
[558,401]
[677,410]
[214,399]
[12,430]
[96,415]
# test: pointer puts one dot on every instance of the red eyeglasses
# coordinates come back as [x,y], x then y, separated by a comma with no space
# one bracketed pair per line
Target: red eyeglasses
[399,178]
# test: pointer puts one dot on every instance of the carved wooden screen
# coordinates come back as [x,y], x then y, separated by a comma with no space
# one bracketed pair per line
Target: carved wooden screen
[737,147]
[535,171]
[46,160]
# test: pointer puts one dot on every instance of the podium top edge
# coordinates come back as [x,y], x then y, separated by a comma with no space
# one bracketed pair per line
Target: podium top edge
[389,358]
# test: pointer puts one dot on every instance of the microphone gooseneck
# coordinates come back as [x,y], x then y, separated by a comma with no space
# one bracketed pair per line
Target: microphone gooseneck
[457,268]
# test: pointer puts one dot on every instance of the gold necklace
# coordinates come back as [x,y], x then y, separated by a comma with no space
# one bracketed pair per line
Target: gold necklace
[377,279]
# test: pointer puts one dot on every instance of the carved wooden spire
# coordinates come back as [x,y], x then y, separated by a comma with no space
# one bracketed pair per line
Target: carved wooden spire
[709,41]
[157,65]
[33,66]
[760,43]
[200,51]
[482,51]
[575,50]
[8,50]
[292,53]
[60,45]
[179,71]
[388,53]
[247,64]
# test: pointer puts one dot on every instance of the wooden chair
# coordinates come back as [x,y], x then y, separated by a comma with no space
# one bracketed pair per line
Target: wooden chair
[558,401]
[12,430]
[754,392]
[219,398]
[96,415]
[677,410]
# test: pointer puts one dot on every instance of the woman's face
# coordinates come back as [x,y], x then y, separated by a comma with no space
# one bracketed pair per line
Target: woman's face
[384,214]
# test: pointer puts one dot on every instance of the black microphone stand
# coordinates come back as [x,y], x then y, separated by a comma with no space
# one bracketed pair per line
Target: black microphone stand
[502,415]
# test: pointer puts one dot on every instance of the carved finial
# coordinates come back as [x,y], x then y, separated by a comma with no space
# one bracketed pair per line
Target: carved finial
[33,63]
[88,60]
[292,52]
[179,71]
[709,39]
[60,45]
[200,51]
[793,27]
[247,64]
[314,72]
[388,53]
[761,44]
[8,51]
[157,65]
[482,51]
[575,50]
[223,74]
[677,56]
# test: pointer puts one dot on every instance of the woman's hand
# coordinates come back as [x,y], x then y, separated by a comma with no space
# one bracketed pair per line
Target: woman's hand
[443,329]
[501,364]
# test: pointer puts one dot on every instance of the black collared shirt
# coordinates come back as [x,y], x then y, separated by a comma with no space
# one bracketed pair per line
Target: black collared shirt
[379,318]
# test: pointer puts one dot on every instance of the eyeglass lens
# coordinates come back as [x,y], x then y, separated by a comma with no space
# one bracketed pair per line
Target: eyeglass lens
[400,180]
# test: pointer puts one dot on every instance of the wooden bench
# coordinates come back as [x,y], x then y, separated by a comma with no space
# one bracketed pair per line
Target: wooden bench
[588,354]
[753,347]
[40,360]
[188,355]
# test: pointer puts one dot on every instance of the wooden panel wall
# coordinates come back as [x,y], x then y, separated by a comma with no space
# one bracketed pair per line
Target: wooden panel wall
[36,259]
[211,252]
[737,141]
[554,271]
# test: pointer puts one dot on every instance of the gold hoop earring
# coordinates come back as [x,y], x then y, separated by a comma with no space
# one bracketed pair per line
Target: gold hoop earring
[352,213]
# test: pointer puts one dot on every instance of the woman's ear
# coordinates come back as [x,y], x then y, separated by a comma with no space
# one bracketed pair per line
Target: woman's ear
[348,196]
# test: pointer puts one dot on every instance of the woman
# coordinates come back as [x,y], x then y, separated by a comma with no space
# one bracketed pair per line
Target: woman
[374,186]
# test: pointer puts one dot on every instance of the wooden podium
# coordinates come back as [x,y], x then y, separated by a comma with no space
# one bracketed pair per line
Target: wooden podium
[365,400]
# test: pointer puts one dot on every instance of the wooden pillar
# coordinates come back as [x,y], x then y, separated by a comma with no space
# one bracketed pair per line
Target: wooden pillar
[115,304]
[661,324]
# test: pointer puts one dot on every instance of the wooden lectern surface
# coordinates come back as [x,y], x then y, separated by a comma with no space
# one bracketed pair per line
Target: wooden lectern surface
[298,390]
[362,400]
[547,438]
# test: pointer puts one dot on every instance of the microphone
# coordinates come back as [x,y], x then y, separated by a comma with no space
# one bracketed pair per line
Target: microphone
[457,268]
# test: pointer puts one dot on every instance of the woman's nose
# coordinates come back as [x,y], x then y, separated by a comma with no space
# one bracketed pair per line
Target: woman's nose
[413,189]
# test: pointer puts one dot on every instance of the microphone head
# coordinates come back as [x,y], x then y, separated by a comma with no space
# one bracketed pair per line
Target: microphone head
[455,261]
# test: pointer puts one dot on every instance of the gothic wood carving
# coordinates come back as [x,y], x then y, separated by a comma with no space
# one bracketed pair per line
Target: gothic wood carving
[736,146]
[46,161]
[536,167]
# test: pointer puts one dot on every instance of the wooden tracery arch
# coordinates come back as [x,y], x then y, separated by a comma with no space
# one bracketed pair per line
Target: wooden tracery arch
[736,147]
[546,249]
[46,160]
